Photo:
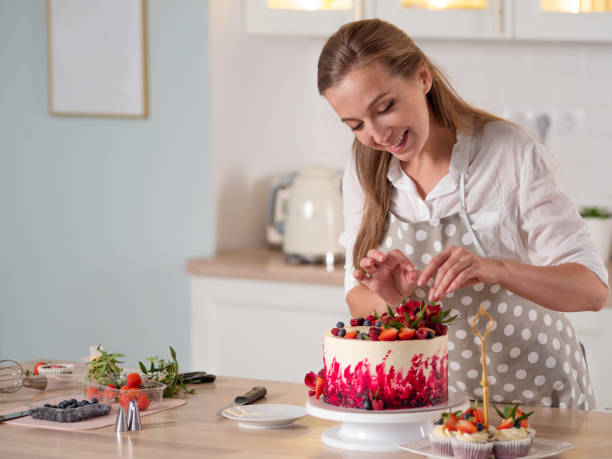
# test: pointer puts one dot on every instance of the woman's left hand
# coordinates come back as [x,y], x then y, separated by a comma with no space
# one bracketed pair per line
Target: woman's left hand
[457,267]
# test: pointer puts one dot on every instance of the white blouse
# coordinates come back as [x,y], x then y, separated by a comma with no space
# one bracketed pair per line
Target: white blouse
[512,195]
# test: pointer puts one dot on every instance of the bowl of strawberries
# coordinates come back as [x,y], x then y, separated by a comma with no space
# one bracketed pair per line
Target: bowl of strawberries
[122,388]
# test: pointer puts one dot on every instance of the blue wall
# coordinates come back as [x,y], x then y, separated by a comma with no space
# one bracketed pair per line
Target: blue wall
[97,216]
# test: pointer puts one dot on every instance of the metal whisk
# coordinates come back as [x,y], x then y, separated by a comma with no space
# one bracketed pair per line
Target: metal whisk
[13,377]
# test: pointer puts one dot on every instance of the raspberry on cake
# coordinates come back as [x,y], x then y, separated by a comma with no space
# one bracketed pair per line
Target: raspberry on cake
[402,358]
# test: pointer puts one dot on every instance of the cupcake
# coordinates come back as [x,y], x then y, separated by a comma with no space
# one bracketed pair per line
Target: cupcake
[513,437]
[444,430]
[472,440]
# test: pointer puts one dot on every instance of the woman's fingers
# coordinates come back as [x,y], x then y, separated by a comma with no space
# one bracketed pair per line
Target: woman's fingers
[377,255]
[446,275]
[368,265]
[433,265]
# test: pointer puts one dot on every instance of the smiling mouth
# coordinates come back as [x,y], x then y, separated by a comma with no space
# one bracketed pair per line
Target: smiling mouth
[400,142]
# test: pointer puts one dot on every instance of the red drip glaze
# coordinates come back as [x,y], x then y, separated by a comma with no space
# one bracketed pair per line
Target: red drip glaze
[352,387]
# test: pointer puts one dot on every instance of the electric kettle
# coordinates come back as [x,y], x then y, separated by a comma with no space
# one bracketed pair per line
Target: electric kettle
[305,212]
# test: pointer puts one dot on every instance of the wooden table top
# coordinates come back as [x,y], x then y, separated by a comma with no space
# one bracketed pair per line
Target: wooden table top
[194,430]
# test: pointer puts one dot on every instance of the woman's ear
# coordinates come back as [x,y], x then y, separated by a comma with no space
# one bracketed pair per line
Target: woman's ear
[424,78]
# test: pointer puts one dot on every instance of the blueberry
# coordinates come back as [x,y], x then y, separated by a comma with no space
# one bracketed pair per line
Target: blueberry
[479,426]
[362,335]
[360,321]
[106,409]
[430,335]
[62,405]
[378,323]
[517,424]
[367,323]
[439,422]
[367,405]
[73,400]
[341,332]
[467,416]
[340,325]
[47,405]
[94,400]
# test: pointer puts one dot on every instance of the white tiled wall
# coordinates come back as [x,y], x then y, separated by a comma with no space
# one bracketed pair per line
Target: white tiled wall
[267,117]
[557,78]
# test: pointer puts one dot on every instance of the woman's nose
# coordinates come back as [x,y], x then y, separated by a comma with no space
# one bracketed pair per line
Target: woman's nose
[380,134]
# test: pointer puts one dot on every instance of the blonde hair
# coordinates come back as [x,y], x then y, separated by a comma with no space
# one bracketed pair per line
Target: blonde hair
[361,43]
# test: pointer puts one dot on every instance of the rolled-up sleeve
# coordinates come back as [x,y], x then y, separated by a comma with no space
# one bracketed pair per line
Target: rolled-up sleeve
[353,198]
[550,225]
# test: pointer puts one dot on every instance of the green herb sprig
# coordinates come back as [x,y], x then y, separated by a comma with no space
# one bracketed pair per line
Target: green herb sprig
[165,372]
[104,369]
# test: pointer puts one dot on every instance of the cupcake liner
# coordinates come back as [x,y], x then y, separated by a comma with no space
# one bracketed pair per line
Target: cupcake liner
[509,449]
[471,450]
[512,448]
[56,369]
[441,446]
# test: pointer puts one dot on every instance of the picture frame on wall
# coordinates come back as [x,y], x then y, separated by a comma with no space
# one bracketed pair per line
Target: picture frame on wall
[96,53]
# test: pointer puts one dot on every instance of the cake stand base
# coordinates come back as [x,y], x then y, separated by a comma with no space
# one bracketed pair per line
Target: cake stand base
[379,430]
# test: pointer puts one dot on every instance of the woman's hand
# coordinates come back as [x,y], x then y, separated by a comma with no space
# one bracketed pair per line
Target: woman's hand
[457,267]
[391,276]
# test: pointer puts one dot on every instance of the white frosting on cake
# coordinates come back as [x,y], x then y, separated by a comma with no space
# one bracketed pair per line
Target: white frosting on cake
[399,353]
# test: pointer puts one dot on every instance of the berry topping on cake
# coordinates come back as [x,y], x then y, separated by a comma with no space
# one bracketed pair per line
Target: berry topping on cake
[449,420]
[473,414]
[467,427]
[319,387]
[513,417]
[411,320]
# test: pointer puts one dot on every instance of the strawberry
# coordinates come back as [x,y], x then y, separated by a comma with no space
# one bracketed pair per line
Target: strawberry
[466,427]
[92,392]
[378,404]
[523,422]
[406,333]
[110,392]
[506,424]
[319,389]
[127,395]
[38,365]
[143,402]
[388,334]
[451,422]
[310,380]
[351,335]
[134,380]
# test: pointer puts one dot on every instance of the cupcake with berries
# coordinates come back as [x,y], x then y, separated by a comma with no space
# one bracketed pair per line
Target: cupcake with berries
[472,440]
[444,430]
[513,436]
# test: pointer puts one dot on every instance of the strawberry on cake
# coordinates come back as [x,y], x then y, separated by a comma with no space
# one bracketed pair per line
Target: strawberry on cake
[393,361]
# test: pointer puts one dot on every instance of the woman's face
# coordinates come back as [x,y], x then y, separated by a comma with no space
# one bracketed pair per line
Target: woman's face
[385,112]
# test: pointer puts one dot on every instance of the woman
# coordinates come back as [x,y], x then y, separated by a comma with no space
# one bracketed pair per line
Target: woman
[450,203]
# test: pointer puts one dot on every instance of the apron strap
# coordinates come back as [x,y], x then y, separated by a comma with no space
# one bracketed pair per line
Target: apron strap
[464,215]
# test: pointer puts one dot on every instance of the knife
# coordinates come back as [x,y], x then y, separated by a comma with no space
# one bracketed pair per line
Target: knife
[249,397]
[20,414]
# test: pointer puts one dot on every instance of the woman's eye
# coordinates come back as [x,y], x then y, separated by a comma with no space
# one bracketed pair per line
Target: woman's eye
[388,107]
[356,128]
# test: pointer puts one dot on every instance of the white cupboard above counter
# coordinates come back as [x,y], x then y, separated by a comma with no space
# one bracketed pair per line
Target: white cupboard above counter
[553,20]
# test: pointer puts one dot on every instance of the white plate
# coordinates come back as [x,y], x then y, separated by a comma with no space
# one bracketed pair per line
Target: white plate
[265,415]
[542,447]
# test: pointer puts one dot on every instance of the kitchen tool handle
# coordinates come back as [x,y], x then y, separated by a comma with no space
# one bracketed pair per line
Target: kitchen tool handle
[254,394]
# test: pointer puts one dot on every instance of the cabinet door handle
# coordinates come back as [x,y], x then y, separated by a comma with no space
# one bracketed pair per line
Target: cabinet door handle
[498,17]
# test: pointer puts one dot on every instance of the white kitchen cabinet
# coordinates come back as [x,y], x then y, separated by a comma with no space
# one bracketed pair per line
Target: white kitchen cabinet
[261,329]
[493,22]
[532,23]
[593,330]
[501,19]
[261,20]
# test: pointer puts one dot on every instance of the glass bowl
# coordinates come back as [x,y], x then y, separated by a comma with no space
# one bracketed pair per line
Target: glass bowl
[149,395]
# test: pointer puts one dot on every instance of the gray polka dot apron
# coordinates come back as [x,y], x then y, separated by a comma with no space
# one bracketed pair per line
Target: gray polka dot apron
[533,353]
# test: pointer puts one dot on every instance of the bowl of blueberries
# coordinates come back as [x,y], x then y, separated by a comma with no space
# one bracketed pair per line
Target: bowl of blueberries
[68,410]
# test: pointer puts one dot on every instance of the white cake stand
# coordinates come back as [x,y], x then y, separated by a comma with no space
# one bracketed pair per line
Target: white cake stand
[379,430]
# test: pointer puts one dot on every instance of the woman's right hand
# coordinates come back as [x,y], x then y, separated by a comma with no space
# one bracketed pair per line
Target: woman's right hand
[391,276]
